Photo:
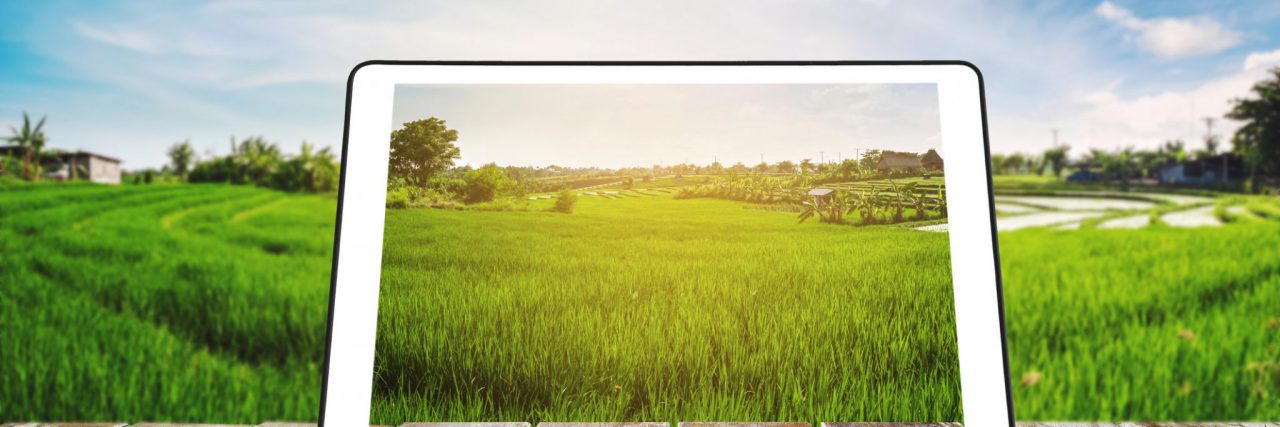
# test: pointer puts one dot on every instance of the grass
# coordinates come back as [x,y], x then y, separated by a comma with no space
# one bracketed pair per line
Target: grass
[649,308]
[206,304]
[1152,324]
[183,303]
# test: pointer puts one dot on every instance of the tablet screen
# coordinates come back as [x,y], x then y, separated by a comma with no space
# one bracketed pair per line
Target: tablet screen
[720,252]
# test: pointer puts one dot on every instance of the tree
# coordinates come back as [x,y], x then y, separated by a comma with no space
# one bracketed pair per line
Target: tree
[1056,157]
[181,156]
[998,164]
[870,160]
[421,149]
[255,160]
[1013,163]
[485,184]
[1258,140]
[786,166]
[806,166]
[311,170]
[565,202]
[1146,161]
[31,140]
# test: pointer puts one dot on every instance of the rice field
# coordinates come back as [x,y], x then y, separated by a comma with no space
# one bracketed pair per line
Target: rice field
[1164,312]
[641,307]
[182,303]
[207,304]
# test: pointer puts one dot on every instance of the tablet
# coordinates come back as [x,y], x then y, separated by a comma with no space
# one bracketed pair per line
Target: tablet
[665,242]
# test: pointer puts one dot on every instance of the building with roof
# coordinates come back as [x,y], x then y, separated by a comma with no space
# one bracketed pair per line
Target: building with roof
[931,160]
[77,165]
[1205,170]
[893,161]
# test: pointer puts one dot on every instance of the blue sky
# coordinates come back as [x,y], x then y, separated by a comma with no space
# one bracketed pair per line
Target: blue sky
[130,78]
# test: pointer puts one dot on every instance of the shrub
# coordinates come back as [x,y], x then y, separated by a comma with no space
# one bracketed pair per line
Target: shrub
[486,184]
[398,198]
[565,202]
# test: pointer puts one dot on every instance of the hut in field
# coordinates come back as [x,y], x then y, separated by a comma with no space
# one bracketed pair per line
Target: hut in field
[73,165]
[892,161]
[821,196]
[931,160]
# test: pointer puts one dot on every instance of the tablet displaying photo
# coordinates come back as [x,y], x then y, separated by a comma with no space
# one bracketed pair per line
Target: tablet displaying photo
[666,252]
[668,243]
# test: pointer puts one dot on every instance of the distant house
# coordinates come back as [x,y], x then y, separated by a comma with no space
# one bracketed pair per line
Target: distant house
[65,165]
[1204,171]
[891,161]
[931,160]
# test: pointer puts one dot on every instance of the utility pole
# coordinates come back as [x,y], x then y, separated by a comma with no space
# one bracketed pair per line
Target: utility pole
[1055,137]
[821,159]
[1208,136]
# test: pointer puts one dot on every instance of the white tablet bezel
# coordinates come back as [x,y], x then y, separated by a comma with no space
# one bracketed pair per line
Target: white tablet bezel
[348,380]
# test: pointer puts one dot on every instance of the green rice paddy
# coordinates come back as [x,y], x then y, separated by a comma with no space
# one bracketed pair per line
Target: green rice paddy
[641,307]
[1148,324]
[207,304]
[184,303]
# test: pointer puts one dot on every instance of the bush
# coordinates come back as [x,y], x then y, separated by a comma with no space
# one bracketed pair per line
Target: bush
[565,202]
[398,197]
[486,184]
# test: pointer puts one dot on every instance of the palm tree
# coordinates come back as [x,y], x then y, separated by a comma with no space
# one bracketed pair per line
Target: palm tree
[181,155]
[31,140]
[255,159]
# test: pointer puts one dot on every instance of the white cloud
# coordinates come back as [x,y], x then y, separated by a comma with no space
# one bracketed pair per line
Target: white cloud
[1108,120]
[132,40]
[1171,37]
[219,65]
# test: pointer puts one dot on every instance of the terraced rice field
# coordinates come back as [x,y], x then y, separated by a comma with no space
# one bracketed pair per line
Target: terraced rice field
[1071,210]
[187,303]
[1150,307]
[641,307]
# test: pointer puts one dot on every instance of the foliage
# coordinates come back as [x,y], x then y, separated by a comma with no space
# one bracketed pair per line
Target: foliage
[1258,139]
[1056,157]
[422,149]
[181,155]
[485,184]
[312,171]
[30,140]
[565,202]
[257,162]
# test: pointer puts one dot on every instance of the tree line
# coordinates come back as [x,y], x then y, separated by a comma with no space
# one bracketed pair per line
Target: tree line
[1256,143]
[422,172]
[254,161]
